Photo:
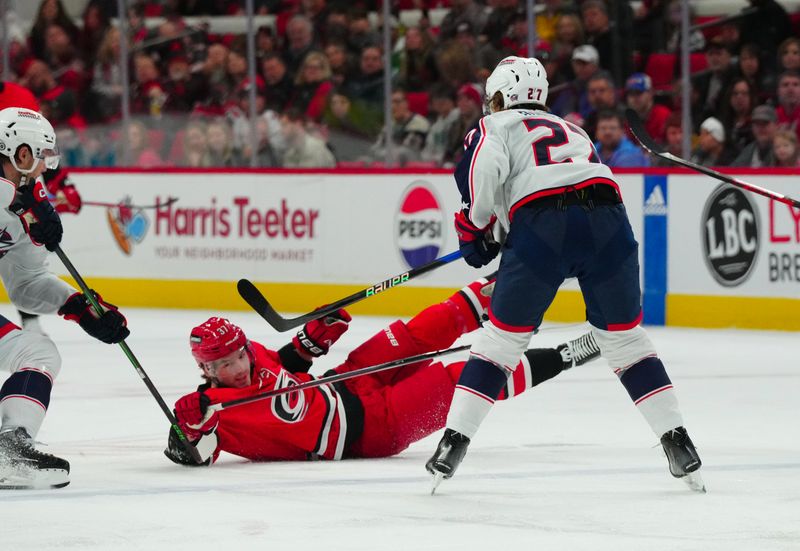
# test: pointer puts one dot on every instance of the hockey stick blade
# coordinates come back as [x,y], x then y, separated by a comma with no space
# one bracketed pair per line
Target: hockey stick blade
[263,308]
[261,305]
[647,141]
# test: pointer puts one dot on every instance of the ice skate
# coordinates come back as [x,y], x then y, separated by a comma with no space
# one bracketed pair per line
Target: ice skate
[448,456]
[683,459]
[579,351]
[23,467]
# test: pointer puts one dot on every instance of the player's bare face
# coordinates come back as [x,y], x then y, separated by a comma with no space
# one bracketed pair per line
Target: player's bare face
[232,370]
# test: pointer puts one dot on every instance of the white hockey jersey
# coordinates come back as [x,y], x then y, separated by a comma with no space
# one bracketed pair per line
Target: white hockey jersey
[516,156]
[23,265]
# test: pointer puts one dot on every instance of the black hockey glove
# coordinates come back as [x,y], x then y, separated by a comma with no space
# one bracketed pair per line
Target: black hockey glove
[476,244]
[38,216]
[109,328]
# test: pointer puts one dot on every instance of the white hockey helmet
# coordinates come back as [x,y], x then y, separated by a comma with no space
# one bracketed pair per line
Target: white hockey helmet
[19,126]
[520,80]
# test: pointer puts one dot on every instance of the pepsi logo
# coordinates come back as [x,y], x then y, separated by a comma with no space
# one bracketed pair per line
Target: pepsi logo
[419,225]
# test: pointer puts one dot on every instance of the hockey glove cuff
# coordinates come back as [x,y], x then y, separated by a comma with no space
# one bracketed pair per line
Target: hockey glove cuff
[190,412]
[478,248]
[109,328]
[39,218]
[317,336]
[68,200]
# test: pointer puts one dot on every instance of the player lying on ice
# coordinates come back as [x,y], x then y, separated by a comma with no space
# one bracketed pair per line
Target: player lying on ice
[376,415]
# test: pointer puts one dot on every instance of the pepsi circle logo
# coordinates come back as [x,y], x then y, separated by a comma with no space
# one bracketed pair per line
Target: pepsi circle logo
[419,225]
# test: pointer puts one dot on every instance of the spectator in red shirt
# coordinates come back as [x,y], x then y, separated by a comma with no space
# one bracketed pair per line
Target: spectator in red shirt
[639,97]
[789,101]
[58,104]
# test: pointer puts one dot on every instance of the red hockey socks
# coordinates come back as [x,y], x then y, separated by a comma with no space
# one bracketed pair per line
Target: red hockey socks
[471,303]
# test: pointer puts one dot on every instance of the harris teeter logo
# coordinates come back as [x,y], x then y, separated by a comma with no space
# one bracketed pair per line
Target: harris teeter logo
[419,225]
[128,224]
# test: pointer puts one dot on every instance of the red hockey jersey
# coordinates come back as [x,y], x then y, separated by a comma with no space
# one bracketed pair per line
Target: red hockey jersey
[294,426]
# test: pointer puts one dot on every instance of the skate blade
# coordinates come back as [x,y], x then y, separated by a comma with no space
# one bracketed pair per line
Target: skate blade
[46,479]
[437,479]
[695,482]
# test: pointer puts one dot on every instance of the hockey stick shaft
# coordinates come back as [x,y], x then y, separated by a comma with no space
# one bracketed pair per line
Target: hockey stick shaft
[639,131]
[126,349]
[334,379]
[260,304]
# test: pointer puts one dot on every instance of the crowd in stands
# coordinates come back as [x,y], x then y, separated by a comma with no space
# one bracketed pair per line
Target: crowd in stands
[319,89]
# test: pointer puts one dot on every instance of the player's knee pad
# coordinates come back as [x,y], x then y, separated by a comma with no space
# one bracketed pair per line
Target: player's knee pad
[501,347]
[622,349]
[34,351]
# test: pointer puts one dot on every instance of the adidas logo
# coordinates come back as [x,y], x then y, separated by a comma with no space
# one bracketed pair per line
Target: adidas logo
[656,205]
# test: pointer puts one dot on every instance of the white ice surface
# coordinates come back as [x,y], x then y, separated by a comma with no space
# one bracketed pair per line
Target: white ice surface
[570,465]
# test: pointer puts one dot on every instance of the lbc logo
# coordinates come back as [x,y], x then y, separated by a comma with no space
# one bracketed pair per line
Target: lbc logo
[730,231]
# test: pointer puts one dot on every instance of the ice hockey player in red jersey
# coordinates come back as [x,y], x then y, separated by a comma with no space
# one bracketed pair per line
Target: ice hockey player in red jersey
[375,415]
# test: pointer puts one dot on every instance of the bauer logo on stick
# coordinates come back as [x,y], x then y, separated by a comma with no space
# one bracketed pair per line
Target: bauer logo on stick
[730,235]
[419,225]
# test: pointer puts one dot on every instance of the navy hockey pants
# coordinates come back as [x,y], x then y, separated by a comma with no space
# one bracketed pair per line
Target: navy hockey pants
[547,244]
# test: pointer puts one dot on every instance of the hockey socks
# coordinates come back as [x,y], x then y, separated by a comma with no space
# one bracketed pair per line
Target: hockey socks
[649,387]
[25,396]
[471,303]
[473,398]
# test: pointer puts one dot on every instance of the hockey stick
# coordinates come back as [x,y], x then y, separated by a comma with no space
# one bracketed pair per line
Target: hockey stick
[260,304]
[167,203]
[638,129]
[331,379]
[139,369]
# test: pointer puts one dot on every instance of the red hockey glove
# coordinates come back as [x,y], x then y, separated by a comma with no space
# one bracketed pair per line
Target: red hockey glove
[38,216]
[68,200]
[476,244]
[190,411]
[109,328]
[317,336]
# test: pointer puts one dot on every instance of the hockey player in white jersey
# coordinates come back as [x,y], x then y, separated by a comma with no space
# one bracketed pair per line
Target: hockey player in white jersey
[541,177]
[28,226]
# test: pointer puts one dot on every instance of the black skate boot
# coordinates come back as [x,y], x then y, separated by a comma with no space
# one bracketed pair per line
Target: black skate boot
[683,459]
[24,467]
[448,456]
[579,351]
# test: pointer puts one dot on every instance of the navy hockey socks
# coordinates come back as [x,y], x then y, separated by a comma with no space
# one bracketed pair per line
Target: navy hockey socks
[651,390]
[480,383]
